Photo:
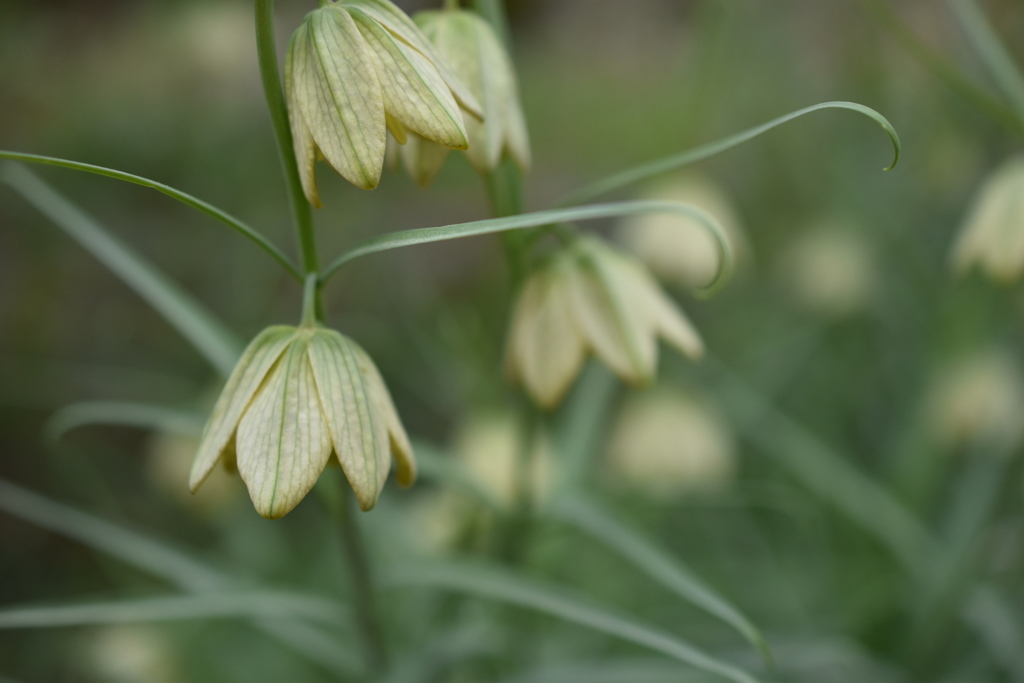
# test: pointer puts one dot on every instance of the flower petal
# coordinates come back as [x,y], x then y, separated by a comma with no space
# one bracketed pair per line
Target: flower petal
[614,323]
[241,386]
[357,428]
[402,27]
[413,90]
[547,350]
[423,159]
[405,462]
[668,320]
[340,97]
[283,444]
[297,69]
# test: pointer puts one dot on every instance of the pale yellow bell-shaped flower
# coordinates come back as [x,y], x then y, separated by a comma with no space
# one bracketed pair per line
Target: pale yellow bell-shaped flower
[298,396]
[666,444]
[475,53]
[356,69]
[992,237]
[591,298]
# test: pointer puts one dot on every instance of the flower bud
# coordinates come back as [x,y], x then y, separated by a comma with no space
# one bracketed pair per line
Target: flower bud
[829,270]
[356,69]
[591,298]
[468,43]
[297,397]
[993,234]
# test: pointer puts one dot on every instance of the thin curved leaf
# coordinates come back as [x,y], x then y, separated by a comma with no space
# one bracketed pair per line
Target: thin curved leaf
[407,238]
[993,53]
[164,561]
[210,210]
[125,414]
[211,338]
[175,608]
[652,168]
[501,586]
[666,570]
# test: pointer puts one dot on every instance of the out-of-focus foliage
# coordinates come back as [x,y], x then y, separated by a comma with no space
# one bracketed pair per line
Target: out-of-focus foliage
[814,478]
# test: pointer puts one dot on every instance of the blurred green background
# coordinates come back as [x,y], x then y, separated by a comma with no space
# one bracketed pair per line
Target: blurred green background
[844,316]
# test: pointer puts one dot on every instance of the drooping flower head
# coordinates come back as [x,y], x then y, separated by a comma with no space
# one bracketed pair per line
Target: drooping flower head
[298,396]
[468,43]
[591,298]
[356,69]
[993,234]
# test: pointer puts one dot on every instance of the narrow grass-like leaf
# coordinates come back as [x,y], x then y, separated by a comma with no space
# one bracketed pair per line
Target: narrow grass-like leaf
[675,161]
[174,608]
[634,670]
[502,586]
[590,518]
[125,414]
[997,621]
[830,476]
[993,53]
[217,344]
[407,238]
[164,561]
[210,210]
[152,557]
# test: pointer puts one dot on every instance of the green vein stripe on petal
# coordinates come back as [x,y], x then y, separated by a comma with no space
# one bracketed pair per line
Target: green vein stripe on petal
[342,102]
[414,92]
[283,443]
[359,435]
[243,383]
[405,461]
[402,27]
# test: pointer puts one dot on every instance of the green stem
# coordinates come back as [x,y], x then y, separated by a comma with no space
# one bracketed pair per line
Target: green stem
[310,299]
[362,585]
[266,47]
[992,52]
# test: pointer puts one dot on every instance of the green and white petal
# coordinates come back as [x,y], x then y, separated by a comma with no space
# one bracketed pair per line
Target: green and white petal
[507,123]
[666,318]
[401,448]
[546,351]
[302,139]
[283,444]
[404,29]
[615,325]
[245,380]
[340,97]
[423,159]
[357,429]
[414,93]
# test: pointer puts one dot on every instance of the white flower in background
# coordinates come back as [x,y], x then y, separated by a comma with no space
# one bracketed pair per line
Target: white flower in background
[678,249]
[829,270]
[298,396]
[477,57]
[665,443]
[488,449]
[992,237]
[978,401]
[357,69]
[590,297]
[168,464]
[129,654]
[488,446]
